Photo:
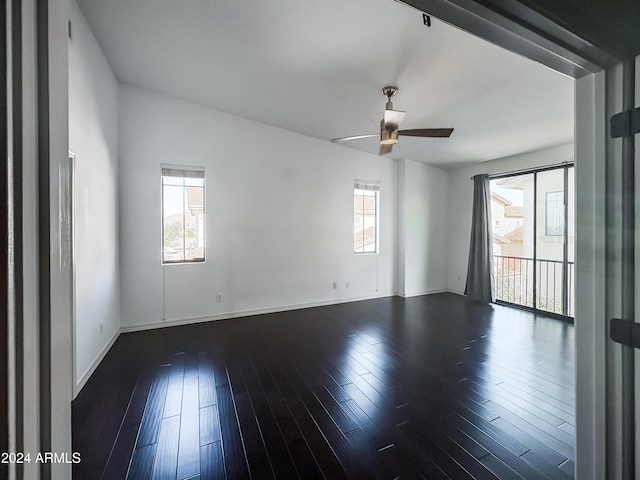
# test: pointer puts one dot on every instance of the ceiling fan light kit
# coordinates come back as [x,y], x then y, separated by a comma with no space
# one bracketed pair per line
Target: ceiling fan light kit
[388,137]
[390,124]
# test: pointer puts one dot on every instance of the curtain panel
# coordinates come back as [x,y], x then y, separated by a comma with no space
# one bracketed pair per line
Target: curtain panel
[480,281]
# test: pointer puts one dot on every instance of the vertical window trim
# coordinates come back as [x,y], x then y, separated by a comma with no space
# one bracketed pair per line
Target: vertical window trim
[182,171]
[375,187]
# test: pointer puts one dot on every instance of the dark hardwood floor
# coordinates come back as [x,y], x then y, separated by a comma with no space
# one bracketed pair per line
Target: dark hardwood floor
[424,388]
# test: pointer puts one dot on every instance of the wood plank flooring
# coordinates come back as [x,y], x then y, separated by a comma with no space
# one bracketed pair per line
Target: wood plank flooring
[429,387]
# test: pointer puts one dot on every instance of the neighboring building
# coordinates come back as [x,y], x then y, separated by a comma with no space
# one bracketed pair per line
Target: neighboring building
[506,219]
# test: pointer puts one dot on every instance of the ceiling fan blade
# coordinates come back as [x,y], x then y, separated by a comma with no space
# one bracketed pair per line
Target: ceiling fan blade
[354,137]
[427,132]
[392,119]
[384,149]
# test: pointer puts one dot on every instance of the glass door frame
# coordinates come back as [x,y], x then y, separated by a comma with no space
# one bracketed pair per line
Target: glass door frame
[565,255]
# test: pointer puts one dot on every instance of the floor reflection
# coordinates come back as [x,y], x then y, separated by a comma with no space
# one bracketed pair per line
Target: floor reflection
[420,388]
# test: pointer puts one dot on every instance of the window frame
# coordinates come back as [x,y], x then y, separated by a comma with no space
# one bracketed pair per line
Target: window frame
[373,186]
[190,172]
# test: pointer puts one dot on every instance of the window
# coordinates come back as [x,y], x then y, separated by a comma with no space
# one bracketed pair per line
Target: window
[365,217]
[182,214]
[554,214]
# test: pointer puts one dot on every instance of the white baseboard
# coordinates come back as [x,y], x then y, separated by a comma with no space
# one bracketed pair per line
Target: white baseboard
[423,292]
[89,371]
[246,313]
[456,292]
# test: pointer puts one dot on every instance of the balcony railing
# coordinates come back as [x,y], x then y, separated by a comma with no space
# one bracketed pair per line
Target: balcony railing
[514,283]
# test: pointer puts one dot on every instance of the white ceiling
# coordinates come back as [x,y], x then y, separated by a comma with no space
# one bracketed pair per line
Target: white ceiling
[317,67]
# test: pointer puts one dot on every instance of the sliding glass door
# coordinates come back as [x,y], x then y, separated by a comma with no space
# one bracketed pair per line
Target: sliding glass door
[533,235]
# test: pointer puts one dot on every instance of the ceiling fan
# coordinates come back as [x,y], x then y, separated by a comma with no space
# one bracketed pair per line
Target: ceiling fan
[389,127]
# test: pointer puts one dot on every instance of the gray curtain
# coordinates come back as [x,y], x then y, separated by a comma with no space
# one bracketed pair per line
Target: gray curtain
[480,283]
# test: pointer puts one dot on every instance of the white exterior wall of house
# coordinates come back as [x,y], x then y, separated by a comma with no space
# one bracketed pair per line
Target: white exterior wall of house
[93,138]
[497,217]
[504,223]
[460,201]
[550,247]
[279,216]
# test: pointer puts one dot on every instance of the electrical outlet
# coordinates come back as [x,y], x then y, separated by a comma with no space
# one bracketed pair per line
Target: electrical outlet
[346,284]
[334,285]
[218,297]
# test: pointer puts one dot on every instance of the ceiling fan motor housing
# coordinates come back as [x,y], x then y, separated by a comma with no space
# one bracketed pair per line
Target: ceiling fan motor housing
[388,134]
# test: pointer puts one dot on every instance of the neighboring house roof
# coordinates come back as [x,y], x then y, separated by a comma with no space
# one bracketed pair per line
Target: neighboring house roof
[179,217]
[500,199]
[514,211]
[516,235]
[501,239]
[517,182]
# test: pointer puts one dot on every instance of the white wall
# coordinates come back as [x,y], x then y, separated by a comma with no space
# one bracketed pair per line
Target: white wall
[461,201]
[279,215]
[422,229]
[93,137]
